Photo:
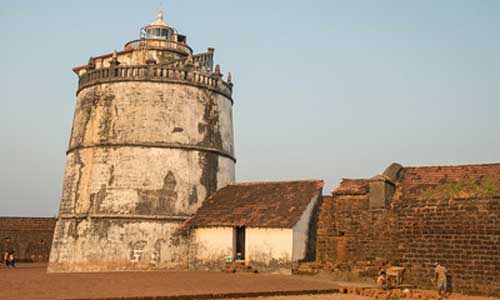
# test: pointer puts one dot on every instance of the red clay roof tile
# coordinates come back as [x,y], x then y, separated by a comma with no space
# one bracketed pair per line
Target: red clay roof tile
[352,187]
[278,204]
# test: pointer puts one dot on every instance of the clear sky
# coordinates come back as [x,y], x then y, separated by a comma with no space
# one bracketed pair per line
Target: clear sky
[323,89]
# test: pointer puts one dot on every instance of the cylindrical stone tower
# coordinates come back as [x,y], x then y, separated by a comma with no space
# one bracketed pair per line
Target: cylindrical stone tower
[152,137]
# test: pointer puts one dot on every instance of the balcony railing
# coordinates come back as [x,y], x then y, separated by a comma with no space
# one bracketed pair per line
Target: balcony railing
[162,44]
[155,73]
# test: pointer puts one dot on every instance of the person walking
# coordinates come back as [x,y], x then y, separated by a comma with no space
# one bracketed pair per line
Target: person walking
[441,279]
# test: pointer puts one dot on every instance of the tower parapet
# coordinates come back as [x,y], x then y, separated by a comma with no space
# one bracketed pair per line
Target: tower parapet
[180,73]
[152,138]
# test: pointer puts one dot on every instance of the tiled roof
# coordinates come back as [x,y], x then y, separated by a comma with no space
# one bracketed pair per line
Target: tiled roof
[352,187]
[277,204]
[464,181]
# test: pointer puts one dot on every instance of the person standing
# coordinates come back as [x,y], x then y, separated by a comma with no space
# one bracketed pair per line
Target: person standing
[382,282]
[441,279]
[12,259]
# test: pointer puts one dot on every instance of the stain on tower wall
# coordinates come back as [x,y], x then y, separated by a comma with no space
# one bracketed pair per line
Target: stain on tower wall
[142,124]
[116,245]
[136,168]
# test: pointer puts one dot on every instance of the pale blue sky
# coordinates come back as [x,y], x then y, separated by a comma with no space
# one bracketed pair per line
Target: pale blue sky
[323,89]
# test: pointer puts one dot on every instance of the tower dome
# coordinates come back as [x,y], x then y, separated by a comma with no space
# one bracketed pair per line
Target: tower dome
[159,29]
[161,36]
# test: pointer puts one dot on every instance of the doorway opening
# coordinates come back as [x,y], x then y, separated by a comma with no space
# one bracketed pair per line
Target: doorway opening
[239,249]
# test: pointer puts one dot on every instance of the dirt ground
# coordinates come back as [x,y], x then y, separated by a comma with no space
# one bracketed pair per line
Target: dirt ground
[310,297]
[339,296]
[32,282]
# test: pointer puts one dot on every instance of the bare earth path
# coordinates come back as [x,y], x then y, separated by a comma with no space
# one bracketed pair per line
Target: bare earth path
[32,282]
[310,297]
[355,297]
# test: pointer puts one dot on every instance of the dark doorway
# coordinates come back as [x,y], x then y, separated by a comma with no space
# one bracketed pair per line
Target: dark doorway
[240,243]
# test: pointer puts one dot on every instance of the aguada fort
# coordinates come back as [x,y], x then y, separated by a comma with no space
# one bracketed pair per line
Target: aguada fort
[150,185]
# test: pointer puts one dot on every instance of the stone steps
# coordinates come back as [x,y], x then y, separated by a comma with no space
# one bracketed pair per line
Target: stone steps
[238,266]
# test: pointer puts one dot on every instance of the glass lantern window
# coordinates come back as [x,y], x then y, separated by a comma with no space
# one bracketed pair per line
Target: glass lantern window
[159,33]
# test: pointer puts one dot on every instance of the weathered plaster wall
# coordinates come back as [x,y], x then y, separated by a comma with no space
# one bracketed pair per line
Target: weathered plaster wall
[210,246]
[269,248]
[150,113]
[302,235]
[142,157]
[30,238]
[137,181]
[103,244]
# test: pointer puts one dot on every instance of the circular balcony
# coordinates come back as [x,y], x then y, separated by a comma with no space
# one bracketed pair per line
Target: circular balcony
[159,44]
[155,73]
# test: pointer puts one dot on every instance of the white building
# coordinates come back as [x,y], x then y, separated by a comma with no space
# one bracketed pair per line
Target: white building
[266,225]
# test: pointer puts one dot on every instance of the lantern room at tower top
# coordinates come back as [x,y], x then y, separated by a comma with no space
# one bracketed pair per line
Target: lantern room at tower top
[161,35]
[160,30]
[162,41]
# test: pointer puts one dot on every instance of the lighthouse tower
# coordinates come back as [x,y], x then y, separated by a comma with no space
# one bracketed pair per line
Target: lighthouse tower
[152,137]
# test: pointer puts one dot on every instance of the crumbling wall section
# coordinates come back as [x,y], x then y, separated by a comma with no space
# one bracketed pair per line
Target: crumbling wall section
[349,231]
[364,234]
[461,234]
[30,238]
[104,244]
[326,231]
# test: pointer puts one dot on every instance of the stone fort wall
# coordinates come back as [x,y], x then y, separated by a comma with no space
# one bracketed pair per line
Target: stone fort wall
[348,230]
[461,234]
[31,238]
